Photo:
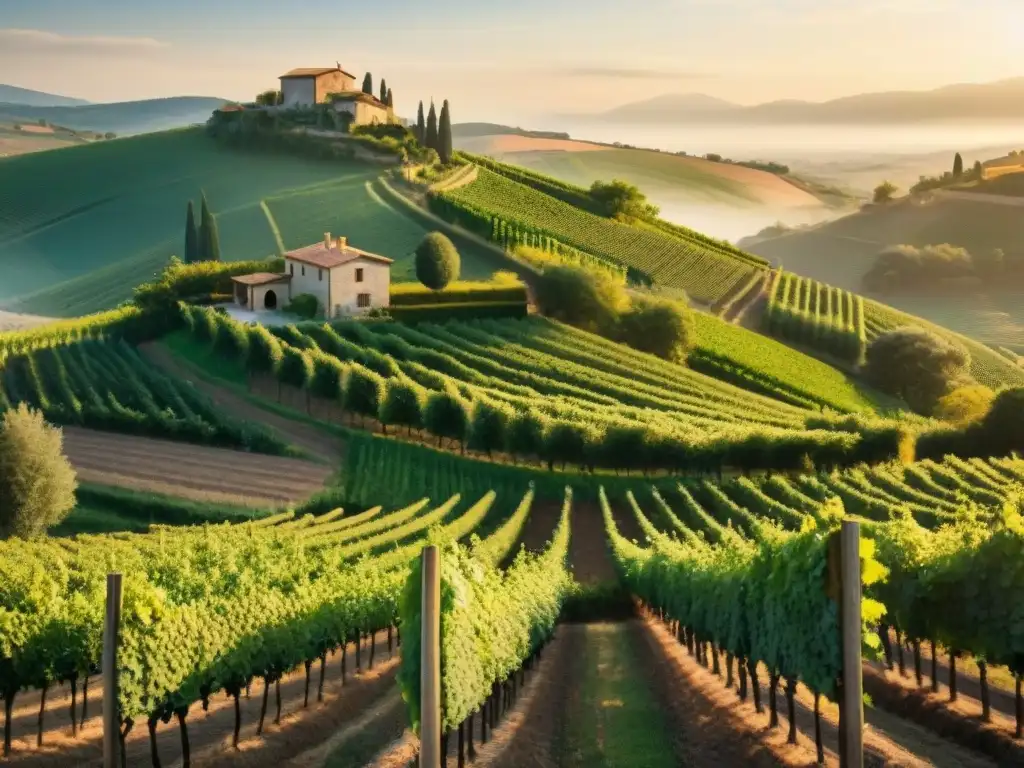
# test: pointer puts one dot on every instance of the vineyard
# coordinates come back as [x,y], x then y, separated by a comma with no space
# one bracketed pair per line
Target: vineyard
[211,609]
[739,567]
[816,315]
[704,271]
[541,392]
[106,384]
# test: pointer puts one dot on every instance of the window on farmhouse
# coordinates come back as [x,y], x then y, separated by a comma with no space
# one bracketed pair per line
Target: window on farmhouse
[291,269]
[363,300]
[320,275]
[303,270]
[359,275]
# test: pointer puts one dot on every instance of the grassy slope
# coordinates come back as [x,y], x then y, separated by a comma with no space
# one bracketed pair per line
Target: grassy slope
[803,373]
[79,227]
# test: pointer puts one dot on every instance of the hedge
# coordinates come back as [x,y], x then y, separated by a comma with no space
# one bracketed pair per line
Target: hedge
[471,310]
[415,294]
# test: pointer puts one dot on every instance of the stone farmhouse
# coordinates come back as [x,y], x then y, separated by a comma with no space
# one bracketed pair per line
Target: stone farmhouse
[308,87]
[344,280]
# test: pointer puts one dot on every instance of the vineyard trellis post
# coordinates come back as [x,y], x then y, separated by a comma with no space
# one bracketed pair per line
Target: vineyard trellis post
[430,667]
[112,623]
[851,711]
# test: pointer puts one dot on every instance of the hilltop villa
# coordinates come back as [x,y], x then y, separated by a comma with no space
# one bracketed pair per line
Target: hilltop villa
[345,280]
[309,86]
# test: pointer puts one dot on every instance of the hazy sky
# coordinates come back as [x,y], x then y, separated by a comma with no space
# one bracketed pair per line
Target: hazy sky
[511,59]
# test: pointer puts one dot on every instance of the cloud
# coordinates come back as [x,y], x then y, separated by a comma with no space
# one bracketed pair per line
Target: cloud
[626,73]
[36,40]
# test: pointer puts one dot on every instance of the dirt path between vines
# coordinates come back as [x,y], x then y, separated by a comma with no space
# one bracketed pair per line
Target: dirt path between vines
[301,729]
[888,740]
[190,471]
[313,441]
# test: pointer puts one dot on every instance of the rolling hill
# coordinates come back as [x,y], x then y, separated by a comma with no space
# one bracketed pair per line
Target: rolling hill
[12,94]
[122,118]
[842,251]
[1002,100]
[722,199]
[80,227]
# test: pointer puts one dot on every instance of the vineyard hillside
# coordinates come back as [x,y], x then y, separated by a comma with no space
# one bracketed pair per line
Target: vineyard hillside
[841,252]
[82,226]
[705,269]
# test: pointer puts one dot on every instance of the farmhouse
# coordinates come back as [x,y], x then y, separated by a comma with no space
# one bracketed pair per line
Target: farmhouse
[308,86]
[344,280]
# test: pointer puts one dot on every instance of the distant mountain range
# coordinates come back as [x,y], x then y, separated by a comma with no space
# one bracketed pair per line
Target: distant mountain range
[123,117]
[12,94]
[1003,100]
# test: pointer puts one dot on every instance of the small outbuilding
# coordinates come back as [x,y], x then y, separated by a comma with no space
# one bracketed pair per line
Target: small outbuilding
[262,290]
[344,280]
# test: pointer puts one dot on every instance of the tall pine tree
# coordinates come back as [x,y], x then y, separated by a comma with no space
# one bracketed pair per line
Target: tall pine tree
[384,90]
[431,139]
[191,236]
[368,83]
[958,165]
[209,239]
[444,134]
[421,126]
[390,101]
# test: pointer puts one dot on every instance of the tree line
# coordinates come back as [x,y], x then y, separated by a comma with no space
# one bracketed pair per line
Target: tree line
[435,132]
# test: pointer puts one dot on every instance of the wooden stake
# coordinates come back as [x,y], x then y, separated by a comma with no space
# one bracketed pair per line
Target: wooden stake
[111,720]
[851,716]
[430,666]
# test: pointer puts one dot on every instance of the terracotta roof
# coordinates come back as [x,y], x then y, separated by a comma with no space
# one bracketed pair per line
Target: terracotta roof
[319,256]
[261,278]
[314,72]
[231,108]
[368,98]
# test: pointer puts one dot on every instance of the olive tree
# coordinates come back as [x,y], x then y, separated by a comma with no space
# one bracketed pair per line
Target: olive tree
[37,483]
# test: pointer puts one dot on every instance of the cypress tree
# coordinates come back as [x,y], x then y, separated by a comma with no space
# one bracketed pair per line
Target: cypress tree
[958,165]
[444,134]
[191,236]
[421,126]
[368,83]
[209,239]
[384,90]
[390,101]
[431,136]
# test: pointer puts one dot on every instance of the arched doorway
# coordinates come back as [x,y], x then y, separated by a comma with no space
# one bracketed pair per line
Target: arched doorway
[270,300]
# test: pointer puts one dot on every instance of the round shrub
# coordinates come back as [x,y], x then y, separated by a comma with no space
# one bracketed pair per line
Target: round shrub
[917,366]
[437,261]
[965,404]
[660,327]
[1003,426]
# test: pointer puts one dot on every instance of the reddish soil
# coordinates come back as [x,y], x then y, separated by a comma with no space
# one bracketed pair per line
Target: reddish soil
[958,721]
[313,441]
[190,471]
[888,741]
[589,558]
[362,698]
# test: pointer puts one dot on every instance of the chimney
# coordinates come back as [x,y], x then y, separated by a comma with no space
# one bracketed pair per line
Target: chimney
[327,240]
[342,242]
